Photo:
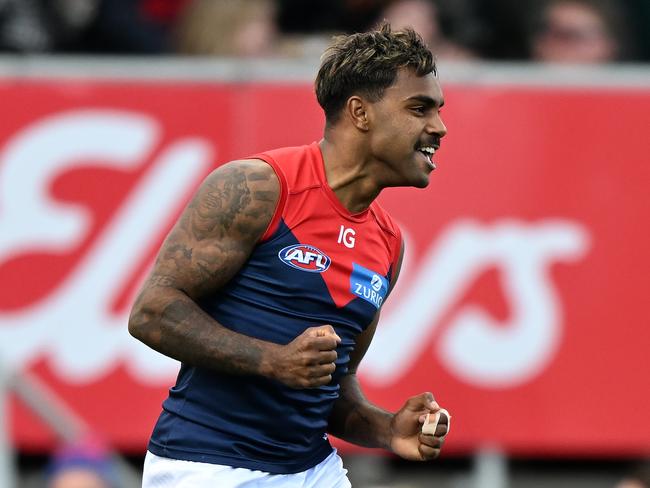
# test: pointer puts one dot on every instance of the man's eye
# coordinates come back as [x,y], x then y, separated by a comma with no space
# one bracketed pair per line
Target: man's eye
[419,110]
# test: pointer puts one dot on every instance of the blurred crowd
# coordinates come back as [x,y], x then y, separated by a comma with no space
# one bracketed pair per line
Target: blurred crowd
[582,31]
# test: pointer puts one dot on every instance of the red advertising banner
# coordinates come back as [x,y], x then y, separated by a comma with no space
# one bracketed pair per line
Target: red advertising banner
[522,301]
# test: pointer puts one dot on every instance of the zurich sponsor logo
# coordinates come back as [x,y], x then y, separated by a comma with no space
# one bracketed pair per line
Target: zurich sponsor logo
[375,282]
[305,258]
[368,285]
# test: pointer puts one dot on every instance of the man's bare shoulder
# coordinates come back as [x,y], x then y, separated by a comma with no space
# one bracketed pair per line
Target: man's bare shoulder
[218,230]
[238,197]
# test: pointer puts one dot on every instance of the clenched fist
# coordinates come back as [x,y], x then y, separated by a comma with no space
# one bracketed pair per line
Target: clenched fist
[408,439]
[308,360]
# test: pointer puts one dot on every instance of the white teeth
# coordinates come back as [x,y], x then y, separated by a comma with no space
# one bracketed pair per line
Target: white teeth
[429,151]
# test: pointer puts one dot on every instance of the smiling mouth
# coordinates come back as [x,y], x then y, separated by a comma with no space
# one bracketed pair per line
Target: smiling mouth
[428,152]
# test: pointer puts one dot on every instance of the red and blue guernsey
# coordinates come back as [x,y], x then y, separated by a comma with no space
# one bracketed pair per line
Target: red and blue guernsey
[316,264]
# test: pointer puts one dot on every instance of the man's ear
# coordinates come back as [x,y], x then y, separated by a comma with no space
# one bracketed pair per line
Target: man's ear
[356,108]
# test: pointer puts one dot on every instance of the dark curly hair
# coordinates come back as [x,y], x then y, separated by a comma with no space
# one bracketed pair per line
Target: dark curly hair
[367,63]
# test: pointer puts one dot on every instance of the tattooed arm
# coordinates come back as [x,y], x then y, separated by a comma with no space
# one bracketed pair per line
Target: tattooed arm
[211,241]
[356,420]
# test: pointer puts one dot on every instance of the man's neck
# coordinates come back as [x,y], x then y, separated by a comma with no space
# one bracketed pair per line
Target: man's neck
[348,174]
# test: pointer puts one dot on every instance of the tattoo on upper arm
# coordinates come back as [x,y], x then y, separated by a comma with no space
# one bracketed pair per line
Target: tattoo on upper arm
[160,280]
[219,203]
[179,253]
[208,245]
[219,228]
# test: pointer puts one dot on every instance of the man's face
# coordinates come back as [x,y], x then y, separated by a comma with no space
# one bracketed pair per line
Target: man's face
[574,33]
[406,128]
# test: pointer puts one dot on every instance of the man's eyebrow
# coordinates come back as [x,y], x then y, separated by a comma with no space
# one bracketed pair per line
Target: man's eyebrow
[427,100]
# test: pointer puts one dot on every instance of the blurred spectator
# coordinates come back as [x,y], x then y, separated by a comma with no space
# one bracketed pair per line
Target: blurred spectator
[579,31]
[638,478]
[83,465]
[132,27]
[88,26]
[559,30]
[228,28]
[307,27]
[42,25]
[425,18]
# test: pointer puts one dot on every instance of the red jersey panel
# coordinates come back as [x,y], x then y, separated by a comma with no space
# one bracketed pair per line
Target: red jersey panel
[316,217]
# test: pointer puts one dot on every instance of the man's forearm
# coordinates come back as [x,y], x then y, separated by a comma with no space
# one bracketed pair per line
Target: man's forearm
[170,322]
[356,420]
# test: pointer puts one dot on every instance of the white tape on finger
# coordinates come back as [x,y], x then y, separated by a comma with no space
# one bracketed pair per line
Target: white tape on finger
[431,422]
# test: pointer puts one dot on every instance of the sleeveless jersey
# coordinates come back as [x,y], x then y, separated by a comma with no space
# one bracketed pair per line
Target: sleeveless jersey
[316,264]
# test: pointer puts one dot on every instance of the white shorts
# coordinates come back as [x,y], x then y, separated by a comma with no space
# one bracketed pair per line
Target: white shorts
[160,472]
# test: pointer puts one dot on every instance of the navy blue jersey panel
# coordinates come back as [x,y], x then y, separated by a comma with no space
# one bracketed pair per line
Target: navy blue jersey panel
[252,421]
[172,431]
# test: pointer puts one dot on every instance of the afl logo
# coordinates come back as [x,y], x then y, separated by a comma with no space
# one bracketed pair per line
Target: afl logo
[305,258]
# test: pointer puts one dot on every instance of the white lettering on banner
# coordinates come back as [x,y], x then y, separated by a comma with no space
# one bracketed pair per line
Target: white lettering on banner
[75,330]
[33,158]
[473,346]
[72,326]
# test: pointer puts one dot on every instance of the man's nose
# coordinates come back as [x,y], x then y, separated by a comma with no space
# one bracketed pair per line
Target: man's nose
[437,126]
